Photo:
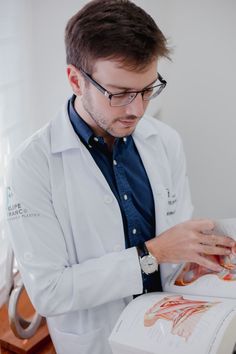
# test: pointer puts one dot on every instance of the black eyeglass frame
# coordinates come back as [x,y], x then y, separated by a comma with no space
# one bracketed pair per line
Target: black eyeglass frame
[109,95]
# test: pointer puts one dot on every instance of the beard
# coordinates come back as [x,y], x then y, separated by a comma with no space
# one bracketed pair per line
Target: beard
[107,125]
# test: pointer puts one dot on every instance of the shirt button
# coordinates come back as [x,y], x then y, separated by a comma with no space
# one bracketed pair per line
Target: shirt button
[125,197]
[114,162]
[117,248]
[95,138]
[134,231]
[90,146]
[124,139]
[108,199]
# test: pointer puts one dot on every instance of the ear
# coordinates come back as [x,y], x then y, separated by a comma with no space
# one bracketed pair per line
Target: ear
[75,79]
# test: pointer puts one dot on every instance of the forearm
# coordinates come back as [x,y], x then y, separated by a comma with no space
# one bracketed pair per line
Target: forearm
[56,289]
[191,241]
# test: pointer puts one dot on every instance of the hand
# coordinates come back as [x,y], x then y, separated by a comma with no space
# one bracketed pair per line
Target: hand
[191,241]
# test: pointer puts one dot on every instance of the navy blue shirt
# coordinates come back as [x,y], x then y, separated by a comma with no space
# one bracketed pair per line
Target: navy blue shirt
[124,171]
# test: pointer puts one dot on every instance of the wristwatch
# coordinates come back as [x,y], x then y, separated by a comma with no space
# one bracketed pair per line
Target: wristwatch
[148,262]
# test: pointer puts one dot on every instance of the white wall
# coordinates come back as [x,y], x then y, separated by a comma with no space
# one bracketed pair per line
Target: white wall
[49,83]
[199,101]
[15,60]
[201,97]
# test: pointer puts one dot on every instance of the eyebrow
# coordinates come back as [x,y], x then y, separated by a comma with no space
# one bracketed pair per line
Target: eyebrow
[128,88]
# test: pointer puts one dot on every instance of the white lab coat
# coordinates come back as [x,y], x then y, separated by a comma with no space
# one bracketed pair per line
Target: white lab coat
[66,228]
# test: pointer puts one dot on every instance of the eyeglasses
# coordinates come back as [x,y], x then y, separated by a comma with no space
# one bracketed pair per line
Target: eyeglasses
[126,97]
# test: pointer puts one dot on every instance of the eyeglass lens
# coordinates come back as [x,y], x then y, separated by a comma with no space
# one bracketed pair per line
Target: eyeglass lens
[125,98]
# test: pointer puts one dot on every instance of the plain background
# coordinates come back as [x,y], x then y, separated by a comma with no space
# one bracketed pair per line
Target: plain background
[199,100]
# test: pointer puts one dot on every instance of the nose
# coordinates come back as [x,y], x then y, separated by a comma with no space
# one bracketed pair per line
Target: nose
[136,107]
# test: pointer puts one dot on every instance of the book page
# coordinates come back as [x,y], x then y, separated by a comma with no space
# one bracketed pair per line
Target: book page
[158,323]
[192,278]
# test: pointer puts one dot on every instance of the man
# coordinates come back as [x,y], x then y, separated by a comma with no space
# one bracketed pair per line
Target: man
[89,192]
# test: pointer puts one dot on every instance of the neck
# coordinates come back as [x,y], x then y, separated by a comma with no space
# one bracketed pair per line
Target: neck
[110,142]
[98,131]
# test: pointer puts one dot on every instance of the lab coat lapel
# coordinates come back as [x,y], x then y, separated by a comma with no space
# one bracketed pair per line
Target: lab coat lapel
[153,157]
[86,189]
[63,138]
[90,198]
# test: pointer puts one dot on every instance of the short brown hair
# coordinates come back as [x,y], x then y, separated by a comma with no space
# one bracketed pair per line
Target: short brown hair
[113,29]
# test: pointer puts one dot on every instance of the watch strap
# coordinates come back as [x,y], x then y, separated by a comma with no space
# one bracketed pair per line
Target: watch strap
[142,249]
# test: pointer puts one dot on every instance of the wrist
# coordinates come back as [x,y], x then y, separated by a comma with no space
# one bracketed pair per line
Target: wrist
[154,248]
[148,262]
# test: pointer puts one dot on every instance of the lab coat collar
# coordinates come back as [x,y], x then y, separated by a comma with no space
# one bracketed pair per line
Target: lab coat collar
[144,129]
[63,136]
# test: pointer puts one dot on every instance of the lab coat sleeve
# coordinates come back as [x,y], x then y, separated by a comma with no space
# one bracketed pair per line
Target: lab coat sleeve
[54,285]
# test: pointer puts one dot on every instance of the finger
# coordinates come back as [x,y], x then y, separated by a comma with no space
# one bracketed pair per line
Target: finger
[214,240]
[215,250]
[207,263]
[203,225]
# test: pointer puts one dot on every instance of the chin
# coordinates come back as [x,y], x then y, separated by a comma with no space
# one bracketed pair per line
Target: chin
[123,133]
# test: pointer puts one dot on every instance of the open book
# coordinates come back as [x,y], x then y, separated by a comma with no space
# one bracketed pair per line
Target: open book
[195,314]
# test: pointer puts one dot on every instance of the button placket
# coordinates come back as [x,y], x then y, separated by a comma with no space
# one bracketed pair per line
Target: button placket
[126,200]
[134,233]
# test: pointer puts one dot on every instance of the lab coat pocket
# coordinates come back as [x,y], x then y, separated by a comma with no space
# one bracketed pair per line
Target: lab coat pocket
[87,343]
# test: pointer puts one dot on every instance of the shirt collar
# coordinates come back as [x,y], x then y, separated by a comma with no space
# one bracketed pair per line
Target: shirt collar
[63,136]
[81,128]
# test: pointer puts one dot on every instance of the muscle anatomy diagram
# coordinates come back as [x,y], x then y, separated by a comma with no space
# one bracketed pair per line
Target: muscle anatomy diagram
[193,271]
[183,313]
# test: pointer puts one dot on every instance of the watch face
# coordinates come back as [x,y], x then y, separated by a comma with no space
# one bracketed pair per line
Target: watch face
[148,264]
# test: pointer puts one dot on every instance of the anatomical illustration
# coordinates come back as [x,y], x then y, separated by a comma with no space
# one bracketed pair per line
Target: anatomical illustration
[183,313]
[193,271]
